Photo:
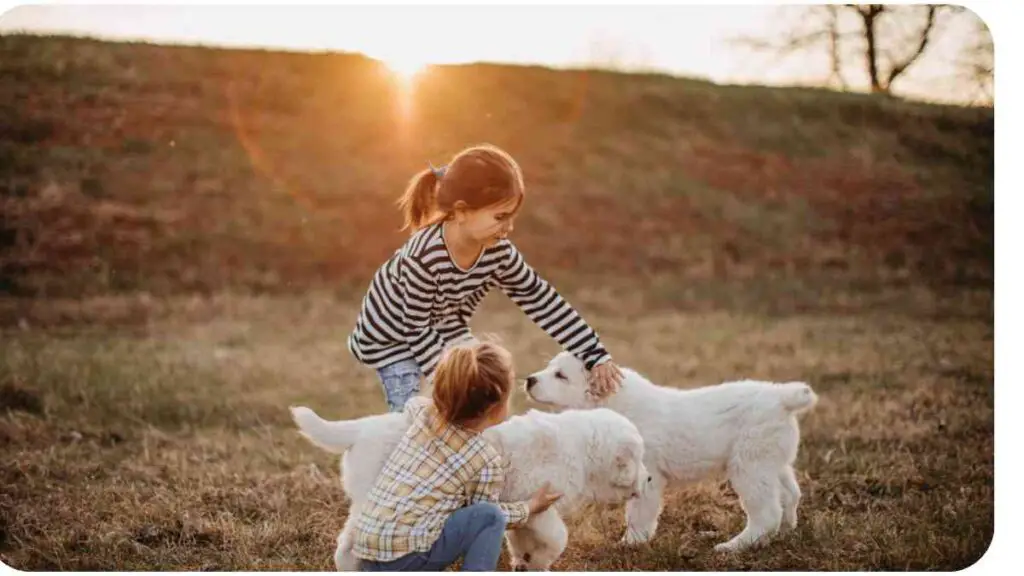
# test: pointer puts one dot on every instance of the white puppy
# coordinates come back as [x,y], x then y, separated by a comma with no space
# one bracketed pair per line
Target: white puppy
[746,430]
[587,455]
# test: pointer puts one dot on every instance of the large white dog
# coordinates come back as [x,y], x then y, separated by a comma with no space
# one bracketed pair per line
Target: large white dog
[588,455]
[746,430]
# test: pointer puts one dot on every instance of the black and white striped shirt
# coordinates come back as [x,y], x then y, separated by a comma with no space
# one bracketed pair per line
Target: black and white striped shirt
[419,300]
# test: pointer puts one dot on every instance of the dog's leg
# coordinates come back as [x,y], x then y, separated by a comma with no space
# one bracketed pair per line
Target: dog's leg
[757,485]
[551,537]
[790,496]
[344,559]
[519,543]
[540,543]
[642,513]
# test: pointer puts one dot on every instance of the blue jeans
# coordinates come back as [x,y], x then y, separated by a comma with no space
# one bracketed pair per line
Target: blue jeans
[473,533]
[401,381]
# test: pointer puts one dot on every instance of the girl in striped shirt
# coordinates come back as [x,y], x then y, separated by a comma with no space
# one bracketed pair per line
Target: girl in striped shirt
[421,299]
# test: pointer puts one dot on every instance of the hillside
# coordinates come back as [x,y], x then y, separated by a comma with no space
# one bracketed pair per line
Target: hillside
[127,167]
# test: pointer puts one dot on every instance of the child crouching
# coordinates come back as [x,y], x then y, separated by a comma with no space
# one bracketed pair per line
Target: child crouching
[436,500]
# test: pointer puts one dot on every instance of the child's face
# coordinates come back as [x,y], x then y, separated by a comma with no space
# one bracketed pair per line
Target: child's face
[490,225]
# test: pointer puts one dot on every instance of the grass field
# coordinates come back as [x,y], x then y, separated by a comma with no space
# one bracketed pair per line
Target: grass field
[186,233]
[166,443]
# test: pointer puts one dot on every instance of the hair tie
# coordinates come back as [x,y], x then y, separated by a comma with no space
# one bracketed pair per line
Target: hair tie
[438,171]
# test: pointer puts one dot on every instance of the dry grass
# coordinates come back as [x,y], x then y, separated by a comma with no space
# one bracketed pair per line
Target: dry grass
[169,446]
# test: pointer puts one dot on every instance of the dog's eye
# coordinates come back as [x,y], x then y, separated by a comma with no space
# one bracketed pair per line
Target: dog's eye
[560,376]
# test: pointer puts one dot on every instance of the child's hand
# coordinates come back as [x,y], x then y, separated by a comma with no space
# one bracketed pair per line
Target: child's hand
[543,498]
[605,379]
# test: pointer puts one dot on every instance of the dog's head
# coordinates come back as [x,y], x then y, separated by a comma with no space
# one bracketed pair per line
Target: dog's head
[564,383]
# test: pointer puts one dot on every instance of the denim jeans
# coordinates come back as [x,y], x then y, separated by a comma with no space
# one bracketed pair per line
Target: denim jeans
[401,381]
[473,533]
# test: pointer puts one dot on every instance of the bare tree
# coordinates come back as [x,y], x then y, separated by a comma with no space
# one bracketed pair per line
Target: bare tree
[887,39]
[977,65]
[834,42]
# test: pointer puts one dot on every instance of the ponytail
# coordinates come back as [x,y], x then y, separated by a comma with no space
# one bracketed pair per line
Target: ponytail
[470,380]
[477,177]
[419,201]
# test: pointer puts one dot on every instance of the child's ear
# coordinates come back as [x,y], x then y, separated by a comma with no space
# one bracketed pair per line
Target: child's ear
[459,210]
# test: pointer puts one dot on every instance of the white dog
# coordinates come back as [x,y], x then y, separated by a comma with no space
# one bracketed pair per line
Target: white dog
[587,455]
[746,430]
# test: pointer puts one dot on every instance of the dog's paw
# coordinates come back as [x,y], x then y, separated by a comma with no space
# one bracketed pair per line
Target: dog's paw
[635,537]
[519,564]
[788,524]
[727,547]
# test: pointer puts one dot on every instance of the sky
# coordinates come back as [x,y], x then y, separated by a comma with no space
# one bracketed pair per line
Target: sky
[687,40]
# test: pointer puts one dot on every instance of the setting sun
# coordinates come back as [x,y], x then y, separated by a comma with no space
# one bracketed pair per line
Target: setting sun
[406,68]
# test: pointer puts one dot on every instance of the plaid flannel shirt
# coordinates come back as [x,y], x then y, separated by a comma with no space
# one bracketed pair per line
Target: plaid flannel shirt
[425,479]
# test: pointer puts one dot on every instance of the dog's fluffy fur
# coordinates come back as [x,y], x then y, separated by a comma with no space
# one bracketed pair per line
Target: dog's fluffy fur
[588,455]
[746,430]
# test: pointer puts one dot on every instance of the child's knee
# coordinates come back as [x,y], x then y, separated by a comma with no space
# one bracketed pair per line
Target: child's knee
[490,514]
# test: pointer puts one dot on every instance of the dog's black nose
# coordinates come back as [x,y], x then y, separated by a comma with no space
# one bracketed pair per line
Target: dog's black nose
[530,381]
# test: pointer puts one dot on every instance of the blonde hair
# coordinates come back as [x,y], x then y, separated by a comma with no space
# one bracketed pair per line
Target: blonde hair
[479,176]
[471,380]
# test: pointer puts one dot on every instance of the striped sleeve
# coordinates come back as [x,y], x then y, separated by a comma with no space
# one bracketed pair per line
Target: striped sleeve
[486,487]
[418,289]
[548,310]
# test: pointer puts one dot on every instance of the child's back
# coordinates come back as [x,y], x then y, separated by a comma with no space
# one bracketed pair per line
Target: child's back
[422,483]
[437,497]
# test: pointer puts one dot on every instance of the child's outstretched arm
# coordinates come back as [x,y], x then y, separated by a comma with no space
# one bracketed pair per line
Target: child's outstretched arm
[541,303]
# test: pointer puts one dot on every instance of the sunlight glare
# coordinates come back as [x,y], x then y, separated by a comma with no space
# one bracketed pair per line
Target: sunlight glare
[405,68]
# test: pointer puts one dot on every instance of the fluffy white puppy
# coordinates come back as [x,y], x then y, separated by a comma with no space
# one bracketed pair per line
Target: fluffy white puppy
[587,455]
[745,430]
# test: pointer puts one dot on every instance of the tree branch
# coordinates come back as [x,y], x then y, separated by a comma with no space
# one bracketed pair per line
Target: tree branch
[834,36]
[898,69]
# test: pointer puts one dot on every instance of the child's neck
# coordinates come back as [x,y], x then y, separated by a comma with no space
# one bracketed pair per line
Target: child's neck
[482,423]
[464,250]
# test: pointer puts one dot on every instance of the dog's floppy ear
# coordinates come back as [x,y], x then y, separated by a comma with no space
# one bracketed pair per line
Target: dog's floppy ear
[624,471]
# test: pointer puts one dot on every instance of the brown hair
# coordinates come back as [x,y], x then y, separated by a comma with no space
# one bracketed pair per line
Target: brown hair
[479,176]
[470,380]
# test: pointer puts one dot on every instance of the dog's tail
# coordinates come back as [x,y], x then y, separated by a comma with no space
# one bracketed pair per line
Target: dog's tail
[797,397]
[337,436]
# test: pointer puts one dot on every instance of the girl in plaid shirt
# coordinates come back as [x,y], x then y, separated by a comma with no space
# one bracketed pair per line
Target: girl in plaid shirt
[436,500]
